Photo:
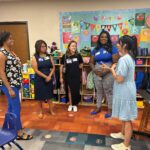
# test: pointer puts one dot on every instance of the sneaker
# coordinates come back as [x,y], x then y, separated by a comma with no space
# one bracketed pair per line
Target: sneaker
[70,108]
[117,135]
[75,109]
[120,146]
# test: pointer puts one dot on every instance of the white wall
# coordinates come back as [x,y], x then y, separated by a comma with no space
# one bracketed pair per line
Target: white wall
[43,15]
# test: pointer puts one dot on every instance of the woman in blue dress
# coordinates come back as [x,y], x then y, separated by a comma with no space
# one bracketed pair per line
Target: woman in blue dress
[44,68]
[124,91]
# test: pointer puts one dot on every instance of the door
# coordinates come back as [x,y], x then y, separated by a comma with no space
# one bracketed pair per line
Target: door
[19,31]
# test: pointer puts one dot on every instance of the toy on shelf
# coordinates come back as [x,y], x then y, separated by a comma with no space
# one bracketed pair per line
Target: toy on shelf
[27,81]
[53,47]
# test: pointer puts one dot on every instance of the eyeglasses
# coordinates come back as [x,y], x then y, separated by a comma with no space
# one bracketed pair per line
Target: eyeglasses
[103,37]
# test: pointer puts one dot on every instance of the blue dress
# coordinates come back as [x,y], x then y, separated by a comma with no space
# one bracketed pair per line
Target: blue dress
[124,94]
[43,90]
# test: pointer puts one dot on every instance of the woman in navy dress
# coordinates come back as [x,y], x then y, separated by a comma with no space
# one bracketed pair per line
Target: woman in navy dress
[44,68]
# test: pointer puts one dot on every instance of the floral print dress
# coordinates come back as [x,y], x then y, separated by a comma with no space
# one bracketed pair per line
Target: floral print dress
[12,69]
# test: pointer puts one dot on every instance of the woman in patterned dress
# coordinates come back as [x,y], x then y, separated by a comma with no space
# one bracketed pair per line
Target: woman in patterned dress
[11,78]
[124,91]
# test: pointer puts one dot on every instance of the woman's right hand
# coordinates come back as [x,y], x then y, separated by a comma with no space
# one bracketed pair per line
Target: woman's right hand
[97,72]
[12,93]
[61,80]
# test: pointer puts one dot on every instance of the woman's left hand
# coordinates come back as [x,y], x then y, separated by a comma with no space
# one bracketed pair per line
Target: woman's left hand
[48,78]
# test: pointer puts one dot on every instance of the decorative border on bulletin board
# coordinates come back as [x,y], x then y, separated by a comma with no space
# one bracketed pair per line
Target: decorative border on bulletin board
[84,26]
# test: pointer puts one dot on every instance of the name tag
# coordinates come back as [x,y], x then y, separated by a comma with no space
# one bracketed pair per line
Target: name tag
[47,58]
[40,59]
[97,53]
[69,61]
[75,59]
[105,52]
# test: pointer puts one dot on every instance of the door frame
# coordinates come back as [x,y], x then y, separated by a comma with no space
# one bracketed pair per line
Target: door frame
[19,23]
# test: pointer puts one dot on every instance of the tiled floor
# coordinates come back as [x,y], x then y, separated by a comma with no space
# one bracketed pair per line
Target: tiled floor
[81,121]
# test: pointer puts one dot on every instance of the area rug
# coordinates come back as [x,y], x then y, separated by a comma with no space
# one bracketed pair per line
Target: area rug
[52,140]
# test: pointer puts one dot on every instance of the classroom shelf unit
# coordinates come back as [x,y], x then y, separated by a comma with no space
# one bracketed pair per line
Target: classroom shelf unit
[88,97]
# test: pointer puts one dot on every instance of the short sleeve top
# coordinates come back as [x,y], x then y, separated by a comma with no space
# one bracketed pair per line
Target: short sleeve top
[126,68]
[72,64]
[12,69]
[103,56]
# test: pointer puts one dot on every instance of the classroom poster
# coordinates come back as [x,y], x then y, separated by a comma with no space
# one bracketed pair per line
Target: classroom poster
[140,19]
[75,27]
[94,39]
[66,21]
[145,35]
[84,27]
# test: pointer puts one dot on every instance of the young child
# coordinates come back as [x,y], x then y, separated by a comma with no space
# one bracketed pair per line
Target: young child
[72,61]
[124,91]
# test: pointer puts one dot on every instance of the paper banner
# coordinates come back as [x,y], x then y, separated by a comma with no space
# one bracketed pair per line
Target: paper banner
[75,27]
[92,26]
[82,24]
[97,28]
[120,26]
[148,20]
[108,28]
[66,21]
[114,27]
[131,21]
[140,19]
[87,25]
[94,39]
[66,37]
[145,35]
[114,39]
[119,17]
[126,24]
[103,26]
[95,18]
[102,17]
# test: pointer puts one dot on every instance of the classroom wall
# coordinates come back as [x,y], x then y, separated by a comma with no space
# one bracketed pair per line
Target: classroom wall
[43,15]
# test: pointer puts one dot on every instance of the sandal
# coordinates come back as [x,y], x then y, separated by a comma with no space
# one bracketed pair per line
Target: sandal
[23,137]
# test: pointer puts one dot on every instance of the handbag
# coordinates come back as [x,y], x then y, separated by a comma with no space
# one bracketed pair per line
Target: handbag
[64,67]
[90,81]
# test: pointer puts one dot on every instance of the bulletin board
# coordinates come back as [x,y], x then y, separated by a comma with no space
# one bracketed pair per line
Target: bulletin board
[84,27]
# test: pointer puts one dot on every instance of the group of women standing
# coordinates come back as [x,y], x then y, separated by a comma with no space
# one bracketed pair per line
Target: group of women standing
[114,80]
